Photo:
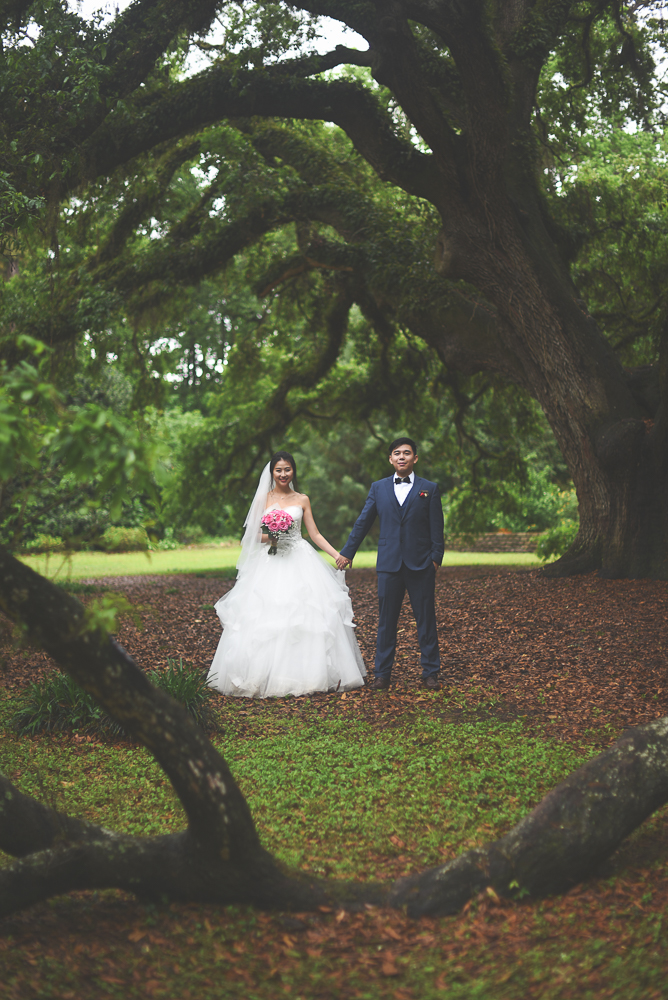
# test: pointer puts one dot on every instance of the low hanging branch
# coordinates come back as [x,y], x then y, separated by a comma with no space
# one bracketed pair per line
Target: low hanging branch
[218,858]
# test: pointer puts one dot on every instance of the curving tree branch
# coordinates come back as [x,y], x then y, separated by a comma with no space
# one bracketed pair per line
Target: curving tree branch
[221,93]
[216,810]
[189,262]
[138,37]
[141,202]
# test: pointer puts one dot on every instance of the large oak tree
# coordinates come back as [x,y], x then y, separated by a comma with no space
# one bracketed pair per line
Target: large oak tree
[447,106]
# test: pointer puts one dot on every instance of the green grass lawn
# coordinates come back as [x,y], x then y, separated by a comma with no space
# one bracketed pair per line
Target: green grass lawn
[324,793]
[344,798]
[82,565]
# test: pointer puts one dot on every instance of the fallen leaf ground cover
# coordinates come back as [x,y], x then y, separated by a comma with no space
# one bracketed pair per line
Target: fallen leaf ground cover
[541,674]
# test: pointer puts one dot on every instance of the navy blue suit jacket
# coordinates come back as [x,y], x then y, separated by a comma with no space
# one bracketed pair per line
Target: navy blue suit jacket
[412,533]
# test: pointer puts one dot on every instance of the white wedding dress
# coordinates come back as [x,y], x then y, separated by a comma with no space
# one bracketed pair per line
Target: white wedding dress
[287,625]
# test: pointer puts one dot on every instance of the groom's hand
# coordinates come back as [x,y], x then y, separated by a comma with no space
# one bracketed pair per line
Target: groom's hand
[342,562]
[435,564]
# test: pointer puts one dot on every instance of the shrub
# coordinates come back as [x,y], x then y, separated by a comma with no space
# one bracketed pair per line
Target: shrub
[167,543]
[59,703]
[45,543]
[497,505]
[556,540]
[187,685]
[117,539]
[559,536]
[192,534]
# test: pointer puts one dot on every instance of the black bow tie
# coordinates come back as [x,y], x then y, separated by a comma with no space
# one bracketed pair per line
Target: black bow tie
[406,479]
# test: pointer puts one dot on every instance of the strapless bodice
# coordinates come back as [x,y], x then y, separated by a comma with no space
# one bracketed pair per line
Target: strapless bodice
[291,506]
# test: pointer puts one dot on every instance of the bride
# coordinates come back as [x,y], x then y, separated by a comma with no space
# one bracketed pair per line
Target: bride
[288,621]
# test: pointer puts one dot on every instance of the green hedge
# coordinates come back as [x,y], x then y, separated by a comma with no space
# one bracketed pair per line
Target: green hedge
[117,539]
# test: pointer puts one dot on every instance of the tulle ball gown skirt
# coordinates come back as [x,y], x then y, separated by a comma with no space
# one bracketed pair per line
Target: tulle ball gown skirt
[287,628]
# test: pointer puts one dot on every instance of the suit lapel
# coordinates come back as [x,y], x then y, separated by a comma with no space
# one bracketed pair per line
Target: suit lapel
[415,489]
[392,496]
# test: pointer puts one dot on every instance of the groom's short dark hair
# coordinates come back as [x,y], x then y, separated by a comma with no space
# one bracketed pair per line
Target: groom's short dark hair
[399,441]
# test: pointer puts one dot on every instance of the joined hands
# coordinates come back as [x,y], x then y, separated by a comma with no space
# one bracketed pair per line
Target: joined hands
[342,562]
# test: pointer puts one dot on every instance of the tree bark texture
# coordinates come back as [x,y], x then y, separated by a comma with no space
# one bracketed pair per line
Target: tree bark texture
[218,858]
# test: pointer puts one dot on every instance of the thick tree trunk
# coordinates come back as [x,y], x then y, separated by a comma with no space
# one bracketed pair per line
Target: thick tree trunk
[219,858]
[627,534]
[608,423]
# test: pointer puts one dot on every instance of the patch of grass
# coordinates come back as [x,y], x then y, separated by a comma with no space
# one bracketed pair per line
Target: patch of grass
[367,560]
[59,703]
[187,685]
[329,795]
[119,786]
[217,562]
[82,565]
[343,797]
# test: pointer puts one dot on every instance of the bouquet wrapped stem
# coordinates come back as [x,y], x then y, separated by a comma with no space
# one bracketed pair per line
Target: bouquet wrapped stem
[273,540]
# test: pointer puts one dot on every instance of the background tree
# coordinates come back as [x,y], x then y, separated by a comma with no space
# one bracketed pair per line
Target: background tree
[452,131]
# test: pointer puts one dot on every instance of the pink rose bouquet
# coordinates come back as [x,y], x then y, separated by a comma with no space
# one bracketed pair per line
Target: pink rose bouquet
[275,523]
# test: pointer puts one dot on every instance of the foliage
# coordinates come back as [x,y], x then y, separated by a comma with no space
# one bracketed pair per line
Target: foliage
[15,210]
[186,684]
[47,499]
[59,703]
[485,774]
[118,539]
[81,445]
[252,282]
[45,543]
[490,504]
[293,781]
[611,192]
[167,543]
[554,542]
[358,775]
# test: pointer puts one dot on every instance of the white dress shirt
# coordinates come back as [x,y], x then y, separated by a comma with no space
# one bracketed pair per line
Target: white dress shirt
[401,490]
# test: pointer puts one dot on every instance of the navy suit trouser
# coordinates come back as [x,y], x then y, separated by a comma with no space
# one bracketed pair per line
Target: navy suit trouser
[391,589]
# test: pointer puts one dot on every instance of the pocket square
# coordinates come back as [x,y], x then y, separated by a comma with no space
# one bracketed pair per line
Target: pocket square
[424,493]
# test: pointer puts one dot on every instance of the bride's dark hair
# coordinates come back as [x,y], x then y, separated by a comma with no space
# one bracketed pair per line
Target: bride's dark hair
[284,456]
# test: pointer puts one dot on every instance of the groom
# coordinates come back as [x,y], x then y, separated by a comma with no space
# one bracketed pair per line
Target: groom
[410,549]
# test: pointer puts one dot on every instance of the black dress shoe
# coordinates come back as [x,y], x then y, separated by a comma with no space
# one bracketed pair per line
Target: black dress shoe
[431,683]
[380,684]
